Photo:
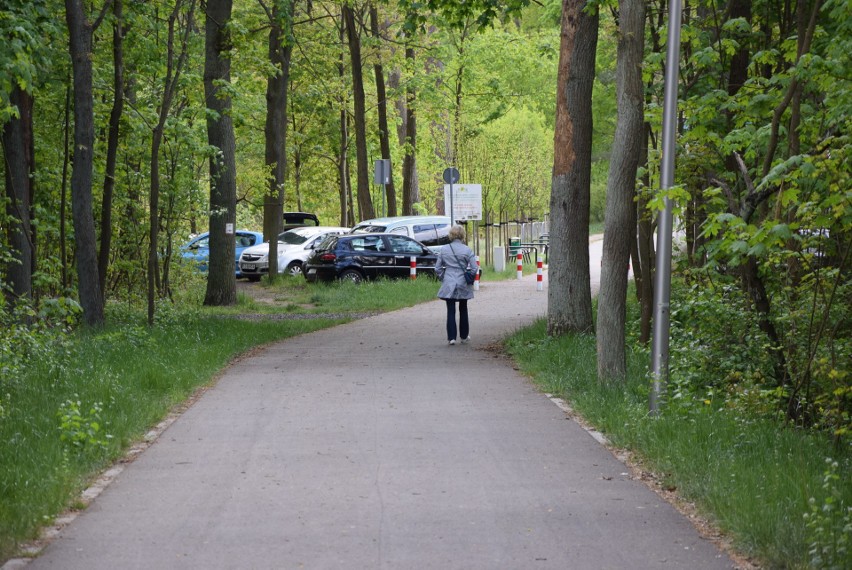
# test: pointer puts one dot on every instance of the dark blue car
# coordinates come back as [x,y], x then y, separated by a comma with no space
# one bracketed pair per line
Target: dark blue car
[197,250]
[356,257]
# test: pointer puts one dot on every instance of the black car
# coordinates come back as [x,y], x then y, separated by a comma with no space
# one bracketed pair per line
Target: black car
[298,220]
[367,256]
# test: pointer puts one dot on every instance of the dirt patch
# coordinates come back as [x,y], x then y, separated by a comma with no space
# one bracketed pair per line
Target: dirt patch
[260,294]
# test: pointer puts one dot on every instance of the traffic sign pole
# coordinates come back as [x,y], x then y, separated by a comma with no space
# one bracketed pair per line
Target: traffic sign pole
[451,176]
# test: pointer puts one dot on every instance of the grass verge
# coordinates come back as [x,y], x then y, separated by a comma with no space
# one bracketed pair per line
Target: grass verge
[83,399]
[755,479]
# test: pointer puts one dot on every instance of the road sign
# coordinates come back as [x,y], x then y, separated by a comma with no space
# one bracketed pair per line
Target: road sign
[383,171]
[451,175]
[465,200]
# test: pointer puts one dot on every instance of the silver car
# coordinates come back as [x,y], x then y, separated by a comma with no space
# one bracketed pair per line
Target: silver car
[294,246]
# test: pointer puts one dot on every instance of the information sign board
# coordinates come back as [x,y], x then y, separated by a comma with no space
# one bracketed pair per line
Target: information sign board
[466,200]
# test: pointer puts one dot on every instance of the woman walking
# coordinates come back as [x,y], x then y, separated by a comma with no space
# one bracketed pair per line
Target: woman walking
[453,260]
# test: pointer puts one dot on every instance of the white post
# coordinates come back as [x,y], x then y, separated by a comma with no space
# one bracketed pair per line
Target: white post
[476,281]
[539,272]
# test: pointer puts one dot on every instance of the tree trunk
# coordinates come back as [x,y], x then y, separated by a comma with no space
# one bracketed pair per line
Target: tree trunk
[620,211]
[410,190]
[112,140]
[347,216]
[365,203]
[393,82]
[85,245]
[67,157]
[174,65]
[384,134]
[221,275]
[569,295]
[280,49]
[645,242]
[17,136]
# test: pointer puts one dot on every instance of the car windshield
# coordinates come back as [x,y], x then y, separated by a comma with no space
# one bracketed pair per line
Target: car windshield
[291,238]
[369,229]
[327,242]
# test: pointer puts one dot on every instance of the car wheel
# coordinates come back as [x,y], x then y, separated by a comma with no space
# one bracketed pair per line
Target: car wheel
[352,275]
[294,269]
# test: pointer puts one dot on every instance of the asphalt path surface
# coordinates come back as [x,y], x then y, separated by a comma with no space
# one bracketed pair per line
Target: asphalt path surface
[375,445]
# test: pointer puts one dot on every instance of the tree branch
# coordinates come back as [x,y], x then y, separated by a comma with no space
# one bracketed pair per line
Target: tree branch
[791,90]
[102,15]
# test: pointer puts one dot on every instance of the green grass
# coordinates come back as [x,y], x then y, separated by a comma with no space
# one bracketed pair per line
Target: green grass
[753,478]
[104,390]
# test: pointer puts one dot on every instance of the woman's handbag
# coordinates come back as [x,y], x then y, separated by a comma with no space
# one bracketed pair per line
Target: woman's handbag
[469,274]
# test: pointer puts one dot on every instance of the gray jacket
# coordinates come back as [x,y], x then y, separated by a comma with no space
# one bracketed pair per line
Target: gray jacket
[453,259]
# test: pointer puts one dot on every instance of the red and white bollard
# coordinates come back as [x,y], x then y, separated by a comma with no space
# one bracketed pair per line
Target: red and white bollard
[476,279]
[412,272]
[520,265]
[539,272]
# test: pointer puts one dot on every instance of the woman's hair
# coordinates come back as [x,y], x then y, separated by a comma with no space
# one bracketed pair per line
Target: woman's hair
[457,232]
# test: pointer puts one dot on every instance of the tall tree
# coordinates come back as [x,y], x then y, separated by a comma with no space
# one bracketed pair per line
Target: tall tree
[410,185]
[620,211]
[112,139]
[80,31]
[381,94]
[365,203]
[17,141]
[569,296]
[177,51]
[22,33]
[277,84]
[221,275]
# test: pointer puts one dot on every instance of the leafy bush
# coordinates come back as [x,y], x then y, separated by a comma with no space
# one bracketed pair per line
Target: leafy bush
[717,354]
[82,432]
[27,335]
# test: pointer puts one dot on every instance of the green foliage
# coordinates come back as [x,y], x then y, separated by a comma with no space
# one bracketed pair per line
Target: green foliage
[717,352]
[82,432]
[26,28]
[521,189]
[829,524]
[458,14]
[27,335]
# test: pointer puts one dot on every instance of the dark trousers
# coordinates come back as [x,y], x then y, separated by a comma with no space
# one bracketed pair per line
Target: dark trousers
[451,318]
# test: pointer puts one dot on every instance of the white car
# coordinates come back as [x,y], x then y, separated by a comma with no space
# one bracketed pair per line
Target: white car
[294,246]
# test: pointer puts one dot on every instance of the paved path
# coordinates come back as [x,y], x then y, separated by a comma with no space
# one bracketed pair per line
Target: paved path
[373,445]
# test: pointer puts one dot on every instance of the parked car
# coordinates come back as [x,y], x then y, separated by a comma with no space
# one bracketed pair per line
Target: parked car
[298,219]
[357,257]
[431,231]
[197,250]
[294,246]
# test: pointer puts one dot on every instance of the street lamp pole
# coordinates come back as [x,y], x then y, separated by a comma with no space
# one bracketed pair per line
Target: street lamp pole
[663,276]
